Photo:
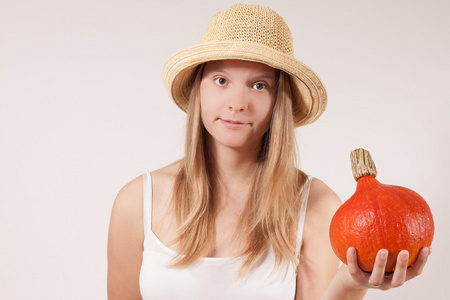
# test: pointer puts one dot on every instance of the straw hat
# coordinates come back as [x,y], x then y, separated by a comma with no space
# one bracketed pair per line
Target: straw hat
[252,33]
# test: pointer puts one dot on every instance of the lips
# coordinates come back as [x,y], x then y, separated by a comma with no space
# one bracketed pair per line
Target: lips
[233,124]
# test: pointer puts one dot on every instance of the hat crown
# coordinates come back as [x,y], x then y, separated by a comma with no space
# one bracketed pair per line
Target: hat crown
[250,23]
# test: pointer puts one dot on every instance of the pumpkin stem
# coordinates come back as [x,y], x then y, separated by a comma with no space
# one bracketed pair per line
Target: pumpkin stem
[362,164]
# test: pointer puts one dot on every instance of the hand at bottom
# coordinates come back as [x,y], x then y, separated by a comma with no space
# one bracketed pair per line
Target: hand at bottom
[358,279]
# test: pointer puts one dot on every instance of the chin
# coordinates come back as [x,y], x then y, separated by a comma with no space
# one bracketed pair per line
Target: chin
[239,143]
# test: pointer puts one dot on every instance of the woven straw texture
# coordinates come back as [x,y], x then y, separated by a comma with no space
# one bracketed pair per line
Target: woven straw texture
[250,24]
[253,33]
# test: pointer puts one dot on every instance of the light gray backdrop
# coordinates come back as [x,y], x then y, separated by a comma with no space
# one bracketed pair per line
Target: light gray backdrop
[83,111]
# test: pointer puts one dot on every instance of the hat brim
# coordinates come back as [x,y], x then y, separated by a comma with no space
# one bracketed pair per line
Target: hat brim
[310,95]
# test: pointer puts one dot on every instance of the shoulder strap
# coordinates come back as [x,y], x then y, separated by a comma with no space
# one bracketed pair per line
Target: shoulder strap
[301,221]
[147,183]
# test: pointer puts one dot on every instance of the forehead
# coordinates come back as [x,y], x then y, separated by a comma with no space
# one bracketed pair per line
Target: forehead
[231,65]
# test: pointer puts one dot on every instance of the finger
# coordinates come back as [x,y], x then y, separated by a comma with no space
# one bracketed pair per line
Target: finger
[401,267]
[417,268]
[377,277]
[352,261]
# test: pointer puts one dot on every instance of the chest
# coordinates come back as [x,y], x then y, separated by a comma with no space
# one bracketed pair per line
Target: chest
[228,238]
[212,277]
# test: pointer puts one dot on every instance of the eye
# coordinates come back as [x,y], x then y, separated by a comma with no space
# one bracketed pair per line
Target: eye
[259,86]
[221,81]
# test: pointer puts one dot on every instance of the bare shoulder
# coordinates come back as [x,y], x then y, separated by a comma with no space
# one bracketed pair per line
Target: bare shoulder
[322,204]
[162,182]
[128,203]
[163,217]
[322,199]
[318,262]
[126,232]
[127,212]
[125,242]
[166,175]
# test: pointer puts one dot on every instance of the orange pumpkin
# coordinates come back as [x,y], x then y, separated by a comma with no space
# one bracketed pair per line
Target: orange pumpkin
[380,216]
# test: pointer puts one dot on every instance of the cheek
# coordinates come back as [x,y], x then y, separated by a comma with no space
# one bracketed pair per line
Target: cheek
[209,106]
[265,112]
[205,110]
[204,96]
[207,114]
[265,123]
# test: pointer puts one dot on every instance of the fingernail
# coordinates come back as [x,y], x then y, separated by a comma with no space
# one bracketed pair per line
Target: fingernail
[405,255]
[384,254]
[351,251]
[425,251]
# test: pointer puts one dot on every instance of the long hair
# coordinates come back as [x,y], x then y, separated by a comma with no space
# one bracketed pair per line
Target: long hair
[272,210]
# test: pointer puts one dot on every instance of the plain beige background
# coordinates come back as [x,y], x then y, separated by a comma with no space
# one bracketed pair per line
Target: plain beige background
[83,111]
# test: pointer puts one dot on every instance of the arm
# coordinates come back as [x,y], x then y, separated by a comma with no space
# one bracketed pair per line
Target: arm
[318,263]
[125,242]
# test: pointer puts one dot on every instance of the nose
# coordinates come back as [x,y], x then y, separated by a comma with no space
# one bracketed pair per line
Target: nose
[238,99]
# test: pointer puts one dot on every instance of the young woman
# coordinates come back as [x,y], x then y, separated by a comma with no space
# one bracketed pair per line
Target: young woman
[235,219]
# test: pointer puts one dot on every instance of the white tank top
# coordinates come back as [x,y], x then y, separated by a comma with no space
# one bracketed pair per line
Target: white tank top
[211,277]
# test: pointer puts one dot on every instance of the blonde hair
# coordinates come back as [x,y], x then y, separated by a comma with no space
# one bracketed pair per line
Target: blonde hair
[272,209]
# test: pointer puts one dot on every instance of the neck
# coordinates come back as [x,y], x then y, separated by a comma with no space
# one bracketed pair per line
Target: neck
[234,170]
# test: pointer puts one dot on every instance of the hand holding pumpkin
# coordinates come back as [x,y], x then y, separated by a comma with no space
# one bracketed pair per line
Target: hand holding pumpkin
[381,230]
[355,278]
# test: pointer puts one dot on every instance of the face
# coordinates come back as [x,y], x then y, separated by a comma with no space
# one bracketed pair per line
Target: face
[237,98]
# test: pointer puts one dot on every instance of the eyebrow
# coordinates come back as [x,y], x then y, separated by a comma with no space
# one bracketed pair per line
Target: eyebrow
[267,75]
